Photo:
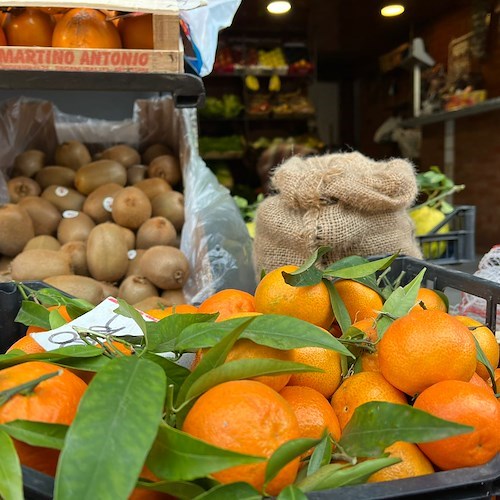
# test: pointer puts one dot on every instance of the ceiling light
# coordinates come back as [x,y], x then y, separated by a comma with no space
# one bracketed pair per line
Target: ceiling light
[392,9]
[279,6]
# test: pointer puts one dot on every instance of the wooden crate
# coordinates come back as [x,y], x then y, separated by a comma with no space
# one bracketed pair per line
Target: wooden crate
[166,57]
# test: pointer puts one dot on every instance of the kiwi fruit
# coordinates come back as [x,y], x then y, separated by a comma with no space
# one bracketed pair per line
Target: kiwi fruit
[16,229]
[5,264]
[153,187]
[107,253]
[97,173]
[165,266]
[44,215]
[73,154]
[135,288]
[174,297]
[74,226]
[155,231]
[54,174]
[131,207]
[42,241]
[63,198]
[129,237]
[19,187]
[134,262]
[166,167]
[39,264]
[77,252]
[108,289]
[126,155]
[81,287]
[171,206]
[99,201]
[136,173]
[155,150]
[28,163]
[148,303]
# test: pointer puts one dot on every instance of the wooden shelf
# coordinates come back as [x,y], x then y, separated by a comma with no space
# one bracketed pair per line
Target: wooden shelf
[444,116]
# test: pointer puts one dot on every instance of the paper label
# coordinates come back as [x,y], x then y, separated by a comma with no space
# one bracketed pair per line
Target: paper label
[70,214]
[61,191]
[107,203]
[102,319]
[132,254]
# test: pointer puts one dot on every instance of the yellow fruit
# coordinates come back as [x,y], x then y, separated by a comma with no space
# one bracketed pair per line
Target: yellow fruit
[425,220]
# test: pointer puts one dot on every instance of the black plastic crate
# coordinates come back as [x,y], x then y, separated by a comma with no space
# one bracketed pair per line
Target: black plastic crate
[456,246]
[468,483]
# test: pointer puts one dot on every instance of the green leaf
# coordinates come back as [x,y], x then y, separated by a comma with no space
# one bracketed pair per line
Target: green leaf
[212,359]
[444,298]
[175,373]
[179,489]
[338,306]
[60,356]
[244,369]
[360,270]
[240,491]
[11,479]
[321,455]
[32,314]
[308,274]
[131,312]
[56,320]
[112,432]
[273,330]
[399,303]
[163,334]
[37,433]
[376,425]
[335,475]
[291,492]
[177,456]
[481,357]
[285,454]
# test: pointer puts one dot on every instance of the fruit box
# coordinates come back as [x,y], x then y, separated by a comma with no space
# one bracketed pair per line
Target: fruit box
[474,482]
[458,244]
[166,57]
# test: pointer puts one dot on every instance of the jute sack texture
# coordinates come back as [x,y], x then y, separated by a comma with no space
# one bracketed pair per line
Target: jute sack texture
[356,205]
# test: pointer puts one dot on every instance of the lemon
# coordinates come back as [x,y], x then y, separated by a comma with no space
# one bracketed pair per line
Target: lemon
[425,220]
[251,228]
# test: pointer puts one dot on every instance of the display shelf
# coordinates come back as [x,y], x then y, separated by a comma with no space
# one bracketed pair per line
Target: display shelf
[443,116]
[187,90]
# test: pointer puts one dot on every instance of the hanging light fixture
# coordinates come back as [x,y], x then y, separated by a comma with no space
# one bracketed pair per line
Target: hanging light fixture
[278,6]
[392,9]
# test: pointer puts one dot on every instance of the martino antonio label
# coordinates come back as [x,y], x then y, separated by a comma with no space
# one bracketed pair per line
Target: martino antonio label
[50,58]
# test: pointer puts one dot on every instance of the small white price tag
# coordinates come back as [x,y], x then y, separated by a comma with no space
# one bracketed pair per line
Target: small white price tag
[101,320]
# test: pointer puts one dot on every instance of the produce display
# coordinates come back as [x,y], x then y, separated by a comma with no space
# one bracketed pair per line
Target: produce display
[252,59]
[76,28]
[320,379]
[231,146]
[97,226]
[228,106]
[431,210]
[280,105]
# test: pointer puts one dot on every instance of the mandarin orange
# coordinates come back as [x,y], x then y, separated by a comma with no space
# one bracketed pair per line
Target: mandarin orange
[361,388]
[425,347]
[53,401]
[360,300]
[464,403]
[325,382]
[247,417]
[309,303]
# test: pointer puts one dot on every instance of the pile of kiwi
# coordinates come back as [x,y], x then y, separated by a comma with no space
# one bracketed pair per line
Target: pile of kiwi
[99,225]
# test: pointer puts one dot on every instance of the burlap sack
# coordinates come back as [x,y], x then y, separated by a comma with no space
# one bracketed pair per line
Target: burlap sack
[352,203]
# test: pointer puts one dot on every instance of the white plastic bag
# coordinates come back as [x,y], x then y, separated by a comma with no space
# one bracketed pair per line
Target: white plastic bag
[202,26]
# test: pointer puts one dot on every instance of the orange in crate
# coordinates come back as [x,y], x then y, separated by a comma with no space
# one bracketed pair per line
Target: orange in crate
[86,28]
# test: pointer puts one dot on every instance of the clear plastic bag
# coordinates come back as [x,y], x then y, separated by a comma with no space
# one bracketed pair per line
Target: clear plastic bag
[202,26]
[473,306]
[214,237]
